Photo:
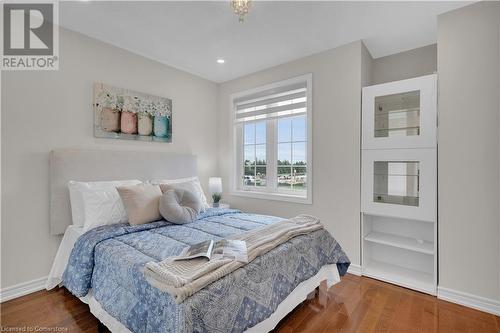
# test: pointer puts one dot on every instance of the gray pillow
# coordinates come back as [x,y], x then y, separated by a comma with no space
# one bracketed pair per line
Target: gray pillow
[180,206]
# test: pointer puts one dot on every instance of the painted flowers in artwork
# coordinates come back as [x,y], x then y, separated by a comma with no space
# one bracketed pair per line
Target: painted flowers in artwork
[125,114]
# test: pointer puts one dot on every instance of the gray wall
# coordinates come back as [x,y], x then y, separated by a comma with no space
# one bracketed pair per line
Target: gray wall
[42,111]
[469,149]
[367,64]
[336,139]
[405,65]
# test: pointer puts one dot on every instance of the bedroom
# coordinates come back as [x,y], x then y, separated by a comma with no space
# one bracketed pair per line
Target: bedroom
[218,117]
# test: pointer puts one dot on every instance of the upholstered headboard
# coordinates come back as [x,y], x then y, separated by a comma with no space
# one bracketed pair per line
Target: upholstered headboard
[99,165]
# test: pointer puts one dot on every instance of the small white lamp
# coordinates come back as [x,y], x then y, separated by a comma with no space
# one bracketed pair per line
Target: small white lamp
[215,189]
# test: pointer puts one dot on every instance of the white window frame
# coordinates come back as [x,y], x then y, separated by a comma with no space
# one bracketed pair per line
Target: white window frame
[270,192]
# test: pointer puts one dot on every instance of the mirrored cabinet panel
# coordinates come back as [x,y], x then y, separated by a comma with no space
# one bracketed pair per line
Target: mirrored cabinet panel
[396,182]
[397,115]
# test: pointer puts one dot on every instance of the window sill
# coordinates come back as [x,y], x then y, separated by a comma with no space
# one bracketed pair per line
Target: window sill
[273,196]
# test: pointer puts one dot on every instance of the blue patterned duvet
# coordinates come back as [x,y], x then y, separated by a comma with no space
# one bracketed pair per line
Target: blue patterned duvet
[110,260]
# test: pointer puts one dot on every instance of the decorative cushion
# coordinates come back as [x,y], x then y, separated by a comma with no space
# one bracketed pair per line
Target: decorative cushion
[191,184]
[141,202]
[179,206]
[97,203]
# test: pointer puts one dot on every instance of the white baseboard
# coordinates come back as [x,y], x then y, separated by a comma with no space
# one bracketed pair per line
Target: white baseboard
[354,269]
[472,301]
[22,289]
[476,302]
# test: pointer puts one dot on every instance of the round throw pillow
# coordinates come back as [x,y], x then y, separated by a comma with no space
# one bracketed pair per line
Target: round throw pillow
[179,206]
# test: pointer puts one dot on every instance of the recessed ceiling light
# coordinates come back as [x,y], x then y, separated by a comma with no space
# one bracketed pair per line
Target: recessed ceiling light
[221,61]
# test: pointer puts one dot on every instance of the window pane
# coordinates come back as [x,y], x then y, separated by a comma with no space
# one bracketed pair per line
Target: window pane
[249,177]
[260,132]
[260,178]
[299,170]
[249,156]
[260,154]
[299,153]
[284,130]
[299,128]
[284,154]
[299,178]
[284,170]
[249,133]
[284,177]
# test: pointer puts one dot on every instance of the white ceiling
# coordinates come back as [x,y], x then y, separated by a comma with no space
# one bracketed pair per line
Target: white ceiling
[192,35]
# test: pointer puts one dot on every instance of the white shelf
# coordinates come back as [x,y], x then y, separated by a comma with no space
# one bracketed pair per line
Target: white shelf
[395,217]
[405,277]
[401,242]
[384,113]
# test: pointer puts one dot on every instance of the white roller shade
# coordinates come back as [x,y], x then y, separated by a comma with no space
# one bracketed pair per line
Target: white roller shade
[280,102]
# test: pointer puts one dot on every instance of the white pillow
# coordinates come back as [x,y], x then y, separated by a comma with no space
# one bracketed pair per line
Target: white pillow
[191,184]
[97,203]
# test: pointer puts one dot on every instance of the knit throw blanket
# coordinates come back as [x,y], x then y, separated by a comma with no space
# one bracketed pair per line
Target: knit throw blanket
[182,279]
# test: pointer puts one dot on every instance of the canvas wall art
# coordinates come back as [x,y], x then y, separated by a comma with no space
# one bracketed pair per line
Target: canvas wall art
[125,114]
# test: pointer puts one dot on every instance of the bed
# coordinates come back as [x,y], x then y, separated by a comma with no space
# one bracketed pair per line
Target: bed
[104,267]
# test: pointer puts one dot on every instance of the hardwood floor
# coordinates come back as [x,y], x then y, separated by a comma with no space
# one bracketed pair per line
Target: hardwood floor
[356,304]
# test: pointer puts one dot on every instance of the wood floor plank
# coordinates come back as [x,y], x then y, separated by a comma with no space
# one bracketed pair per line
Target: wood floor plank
[387,314]
[356,304]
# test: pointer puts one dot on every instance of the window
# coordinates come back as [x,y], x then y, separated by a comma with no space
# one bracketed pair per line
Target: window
[272,141]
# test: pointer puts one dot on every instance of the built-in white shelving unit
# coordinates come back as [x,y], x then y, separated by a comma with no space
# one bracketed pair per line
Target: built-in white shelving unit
[399,183]
[402,242]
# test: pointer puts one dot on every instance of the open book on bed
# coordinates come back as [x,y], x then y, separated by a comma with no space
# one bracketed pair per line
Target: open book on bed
[222,249]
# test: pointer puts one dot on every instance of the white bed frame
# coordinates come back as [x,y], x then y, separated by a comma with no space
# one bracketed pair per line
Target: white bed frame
[95,165]
[303,291]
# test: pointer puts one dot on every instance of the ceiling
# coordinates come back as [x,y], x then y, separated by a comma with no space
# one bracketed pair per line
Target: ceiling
[192,35]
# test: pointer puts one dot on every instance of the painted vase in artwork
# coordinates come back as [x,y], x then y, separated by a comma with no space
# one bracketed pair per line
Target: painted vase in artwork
[161,126]
[110,120]
[145,124]
[129,122]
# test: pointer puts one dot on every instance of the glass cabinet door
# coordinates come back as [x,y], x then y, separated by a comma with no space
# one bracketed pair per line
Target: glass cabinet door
[399,183]
[400,114]
[396,182]
[397,115]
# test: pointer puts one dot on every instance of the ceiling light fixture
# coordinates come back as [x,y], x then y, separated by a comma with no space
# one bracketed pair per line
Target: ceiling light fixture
[240,8]
[221,61]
